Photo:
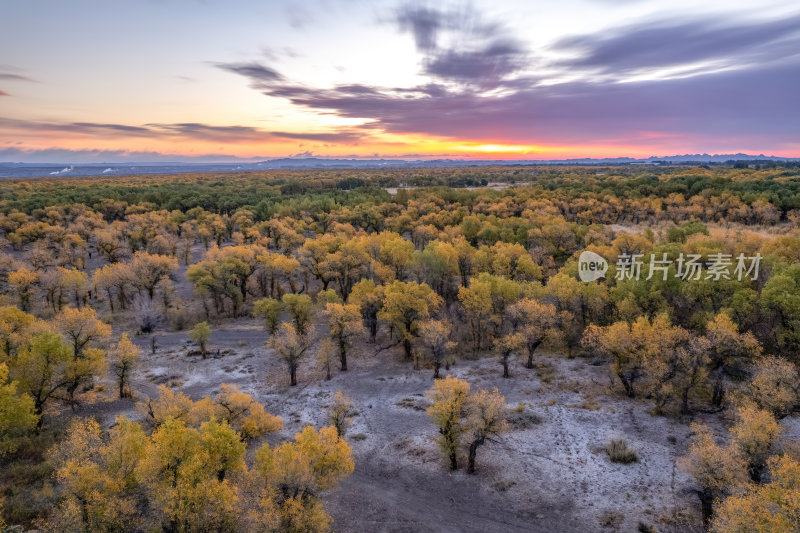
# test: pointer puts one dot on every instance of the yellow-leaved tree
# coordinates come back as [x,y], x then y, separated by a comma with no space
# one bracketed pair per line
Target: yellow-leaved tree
[464,418]
[436,335]
[189,473]
[185,473]
[244,413]
[717,469]
[344,321]
[449,397]
[405,305]
[123,357]
[82,330]
[292,346]
[288,478]
[17,413]
[486,419]
[770,508]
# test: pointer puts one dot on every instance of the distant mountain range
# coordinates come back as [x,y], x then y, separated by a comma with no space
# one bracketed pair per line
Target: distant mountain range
[318,162]
[29,170]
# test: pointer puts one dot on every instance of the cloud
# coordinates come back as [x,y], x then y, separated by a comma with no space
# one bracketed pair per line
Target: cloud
[340,137]
[752,100]
[187,130]
[750,104]
[92,127]
[298,16]
[677,41]
[206,132]
[486,66]
[423,22]
[256,72]
[83,128]
[63,156]
[8,76]
[3,93]
[459,45]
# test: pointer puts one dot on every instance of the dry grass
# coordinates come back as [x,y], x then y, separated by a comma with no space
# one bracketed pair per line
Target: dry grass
[619,452]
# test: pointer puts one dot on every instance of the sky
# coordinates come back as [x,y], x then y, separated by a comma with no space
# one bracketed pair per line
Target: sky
[222,80]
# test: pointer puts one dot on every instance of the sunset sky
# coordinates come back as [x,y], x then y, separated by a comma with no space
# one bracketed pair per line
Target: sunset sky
[216,80]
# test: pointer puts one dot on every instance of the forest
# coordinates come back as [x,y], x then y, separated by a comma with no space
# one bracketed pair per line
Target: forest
[402,350]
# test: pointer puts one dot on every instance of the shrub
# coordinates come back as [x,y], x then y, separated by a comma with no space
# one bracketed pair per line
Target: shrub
[619,452]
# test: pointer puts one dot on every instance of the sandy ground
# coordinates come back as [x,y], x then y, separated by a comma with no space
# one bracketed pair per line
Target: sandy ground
[548,473]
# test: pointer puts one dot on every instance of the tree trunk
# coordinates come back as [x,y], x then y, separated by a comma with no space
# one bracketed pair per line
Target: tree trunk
[706,506]
[685,401]
[407,347]
[755,472]
[626,384]
[473,451]
[719,392]
[436,366]
[373,329]
[453,461]
[343,355]
[38,408]
[505,367]
[292,376]
[531,350]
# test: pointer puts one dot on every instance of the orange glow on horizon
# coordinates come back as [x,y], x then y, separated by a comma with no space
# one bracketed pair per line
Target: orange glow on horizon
[377,145]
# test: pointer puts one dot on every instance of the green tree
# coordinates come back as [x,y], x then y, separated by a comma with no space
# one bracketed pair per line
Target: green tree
[269,310]
[299,306]
[535,322]
[345,324]
[17,413]
[42,369]
[369,299]
[405,305]
[200,334]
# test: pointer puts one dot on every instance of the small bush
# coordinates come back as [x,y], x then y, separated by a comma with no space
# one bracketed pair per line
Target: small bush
[546,373]
[611,519]
[180,318]
[146,315]
[619,452]
[522,420]
[503,485]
